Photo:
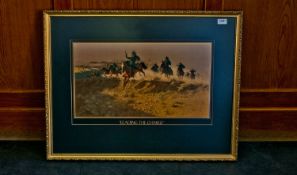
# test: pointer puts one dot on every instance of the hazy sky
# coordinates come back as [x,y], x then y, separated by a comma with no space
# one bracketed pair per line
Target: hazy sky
[193,55]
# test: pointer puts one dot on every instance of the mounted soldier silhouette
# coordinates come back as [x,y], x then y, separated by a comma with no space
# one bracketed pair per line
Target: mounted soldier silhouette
[110,70]
[180,70]
[131,66]
[114,69]
[155,68]
[165,67]
[193,74]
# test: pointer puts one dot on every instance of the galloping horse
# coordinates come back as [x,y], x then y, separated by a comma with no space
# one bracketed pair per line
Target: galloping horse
[193,74]
[166,69]
[130,71]
[180,70]
[155,68]
[111,70]
[114,69]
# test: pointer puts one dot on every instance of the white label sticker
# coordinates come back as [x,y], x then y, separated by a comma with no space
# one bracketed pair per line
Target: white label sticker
[222,21]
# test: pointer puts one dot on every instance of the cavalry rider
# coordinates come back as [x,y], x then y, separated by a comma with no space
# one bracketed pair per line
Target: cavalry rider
[166,67]
[133,59]
[192,74]
[180,70]
[181,66]
[155,68]
[167,61]
[113,68]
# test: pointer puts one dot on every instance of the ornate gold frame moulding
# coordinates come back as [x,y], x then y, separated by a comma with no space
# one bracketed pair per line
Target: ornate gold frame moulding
[168,157]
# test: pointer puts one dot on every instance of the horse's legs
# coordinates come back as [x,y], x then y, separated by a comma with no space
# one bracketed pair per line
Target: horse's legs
[142,72]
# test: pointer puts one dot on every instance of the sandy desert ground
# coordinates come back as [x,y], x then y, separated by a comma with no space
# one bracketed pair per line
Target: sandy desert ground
[149,96]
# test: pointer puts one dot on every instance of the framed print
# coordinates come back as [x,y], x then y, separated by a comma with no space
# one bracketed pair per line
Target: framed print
[142,85]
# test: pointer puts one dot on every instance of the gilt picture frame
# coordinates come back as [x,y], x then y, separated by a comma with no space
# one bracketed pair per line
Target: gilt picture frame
[142,85]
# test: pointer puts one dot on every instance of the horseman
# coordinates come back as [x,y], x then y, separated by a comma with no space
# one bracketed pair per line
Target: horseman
[133,59]
[192,74]
[181,66]
[167,61]
[155,68]
[114,69]
[166,64]
[180,70]
[166,67]
[132,66]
